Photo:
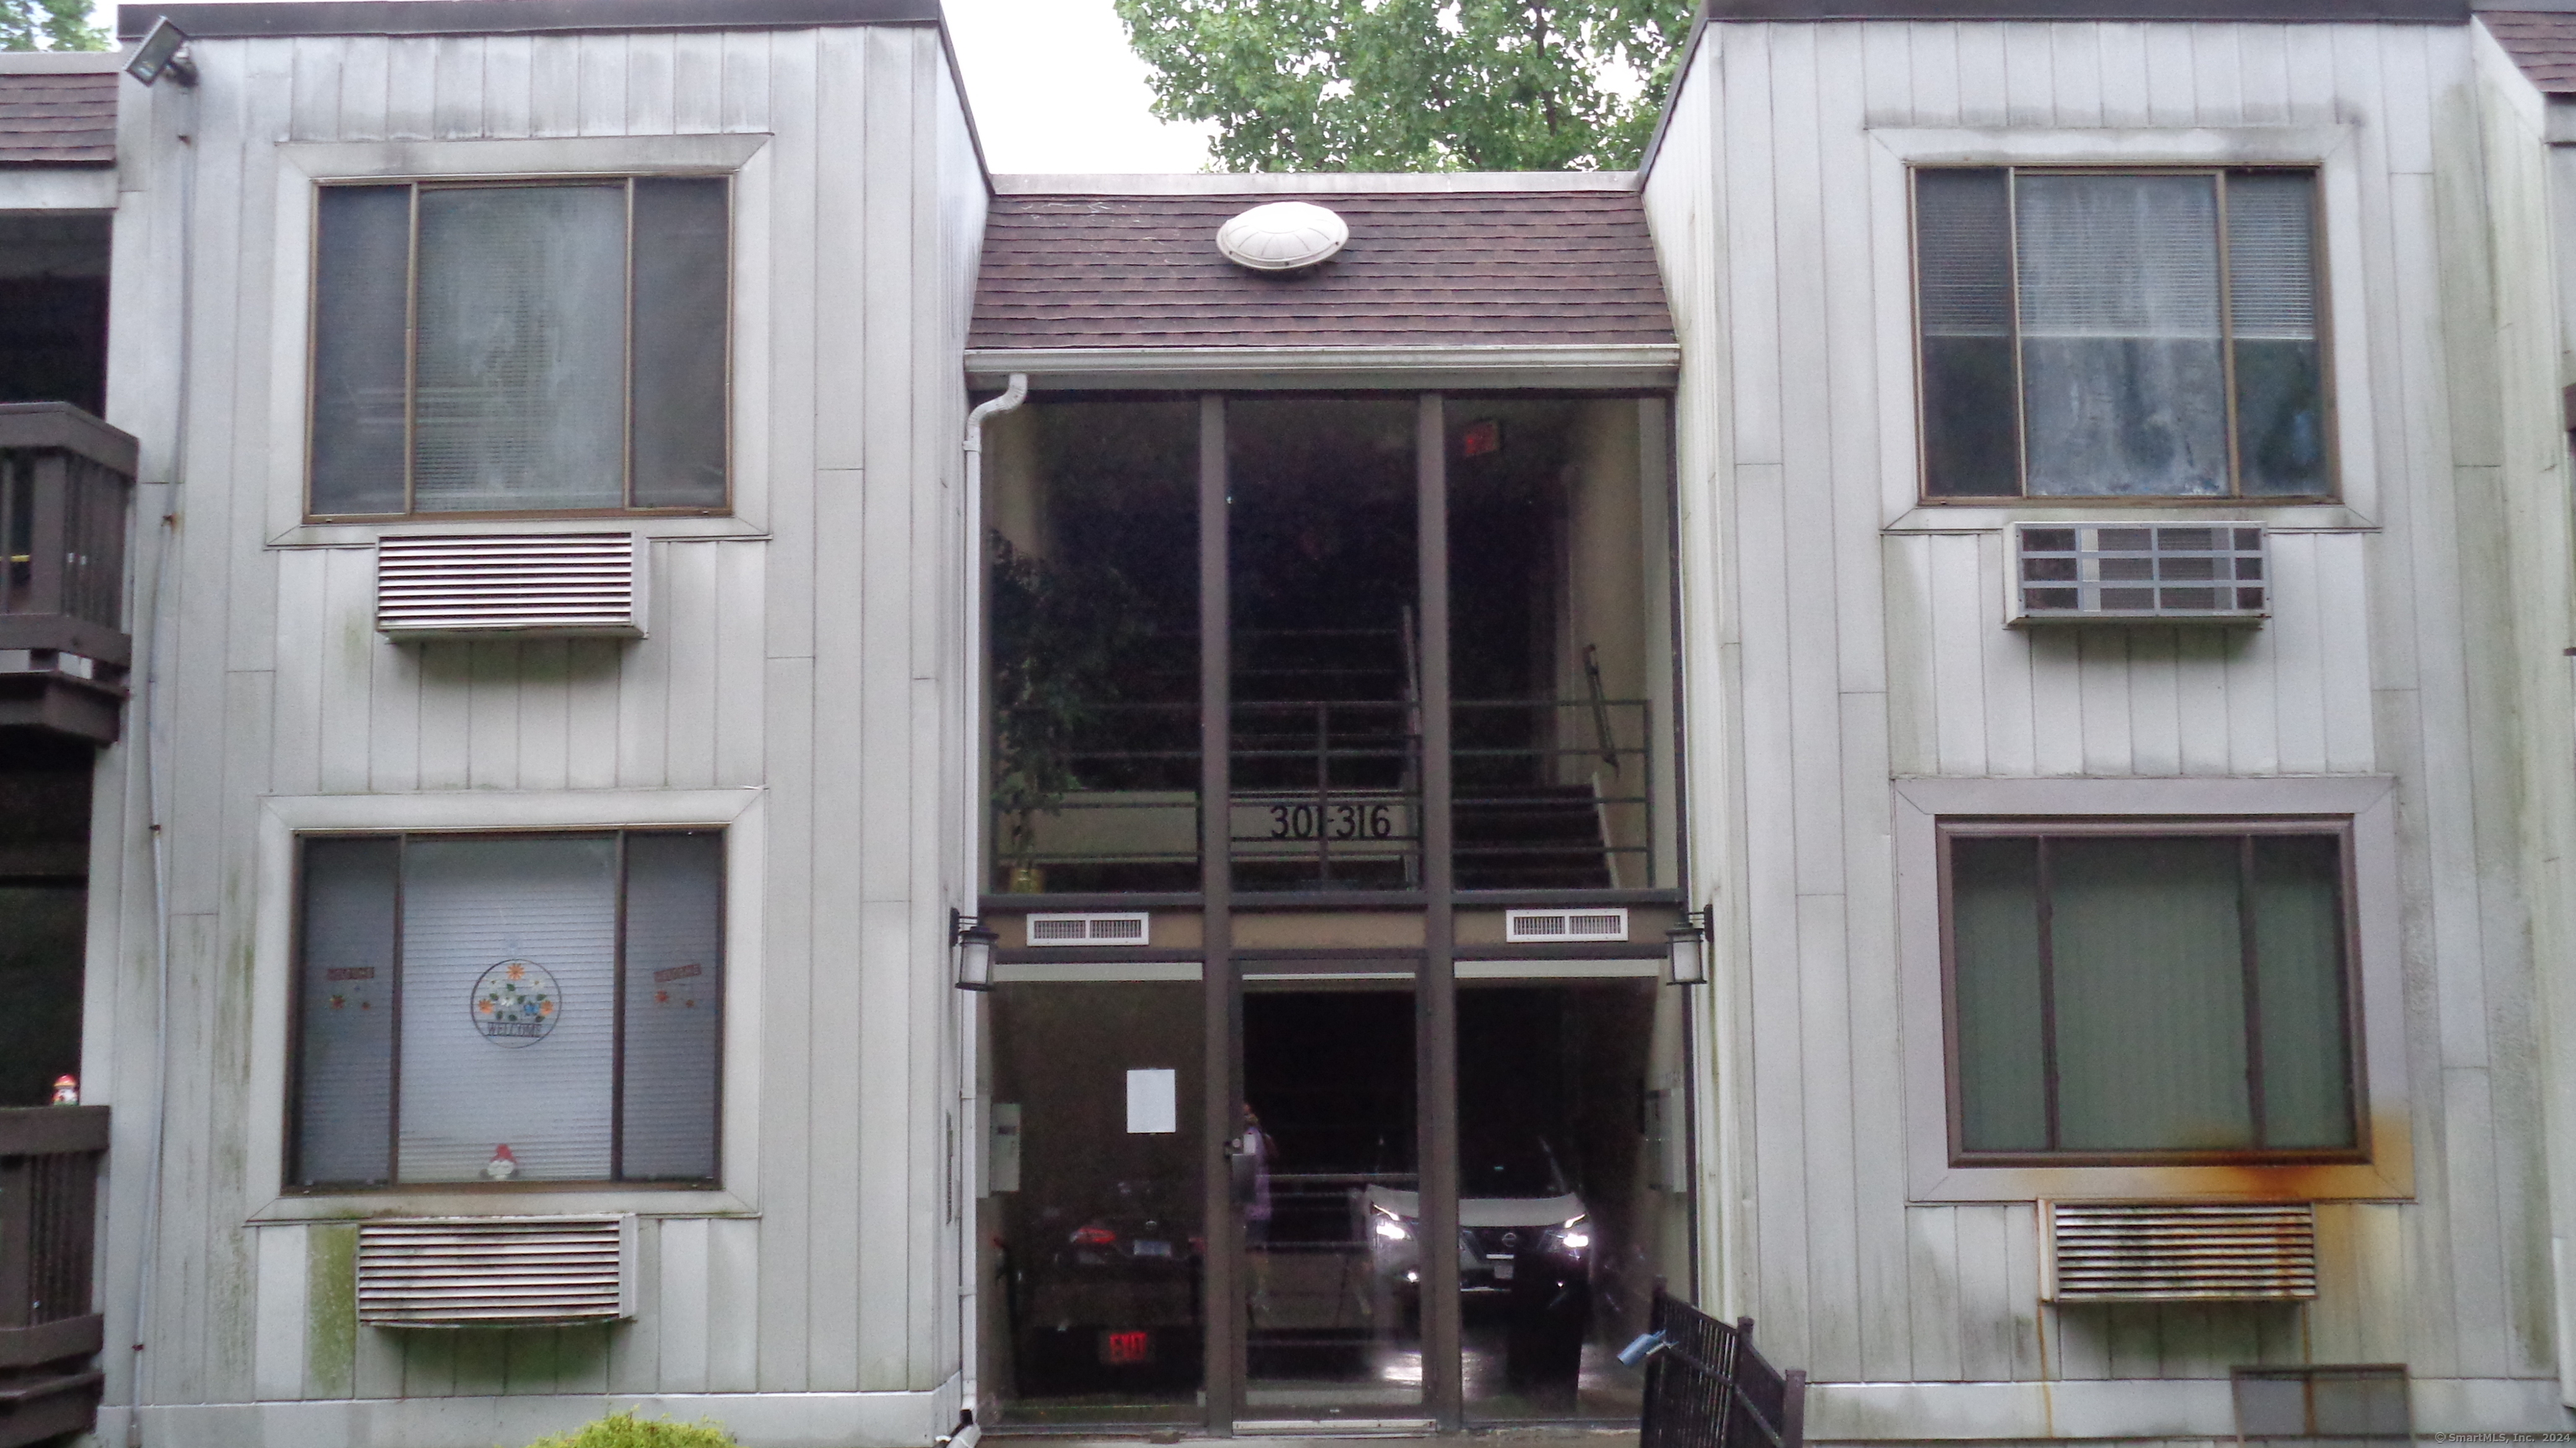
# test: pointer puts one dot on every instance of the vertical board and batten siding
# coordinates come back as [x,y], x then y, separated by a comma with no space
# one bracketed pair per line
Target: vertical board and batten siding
[832,638]
[1846,636]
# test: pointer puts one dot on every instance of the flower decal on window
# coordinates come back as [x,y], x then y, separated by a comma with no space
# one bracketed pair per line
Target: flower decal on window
[516,1003]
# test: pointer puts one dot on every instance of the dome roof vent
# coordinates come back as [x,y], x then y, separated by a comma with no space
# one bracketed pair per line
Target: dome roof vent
[1283,236]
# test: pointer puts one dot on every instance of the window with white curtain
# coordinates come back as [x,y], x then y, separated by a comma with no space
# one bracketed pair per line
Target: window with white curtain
[492,348]
[2089,334]
[2150,992]
[508,1008]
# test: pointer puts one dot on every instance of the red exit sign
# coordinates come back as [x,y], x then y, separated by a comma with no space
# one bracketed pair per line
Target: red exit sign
[1126,1349]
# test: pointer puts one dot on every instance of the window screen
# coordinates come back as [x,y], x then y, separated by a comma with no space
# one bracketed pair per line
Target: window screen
[558,347]
[538,1007]
[2088,334]
[2121,994]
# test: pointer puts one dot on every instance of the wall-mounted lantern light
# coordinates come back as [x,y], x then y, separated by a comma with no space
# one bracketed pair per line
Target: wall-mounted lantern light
[974,943]
[160,55]
[1688,943]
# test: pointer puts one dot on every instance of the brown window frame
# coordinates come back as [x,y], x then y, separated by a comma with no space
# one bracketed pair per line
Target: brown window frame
[411,511]
[2356,1086]
[2235,496]
[615,1180]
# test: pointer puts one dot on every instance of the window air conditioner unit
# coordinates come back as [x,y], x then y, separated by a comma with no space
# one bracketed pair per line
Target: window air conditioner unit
[2177,1251]
[517,585]
[2138,572]
[496,1271]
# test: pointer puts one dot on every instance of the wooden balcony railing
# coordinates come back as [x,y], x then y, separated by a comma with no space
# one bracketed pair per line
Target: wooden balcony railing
[66,485]
[49,1326]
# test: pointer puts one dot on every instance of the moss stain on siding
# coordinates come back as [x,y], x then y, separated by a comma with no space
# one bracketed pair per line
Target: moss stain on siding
[330,1309]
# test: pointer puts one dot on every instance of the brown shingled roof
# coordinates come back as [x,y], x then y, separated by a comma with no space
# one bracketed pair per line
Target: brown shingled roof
[58,120]
[2543,43]
[1423,268]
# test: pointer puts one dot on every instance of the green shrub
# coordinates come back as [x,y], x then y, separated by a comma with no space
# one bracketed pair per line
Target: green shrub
[625,1430]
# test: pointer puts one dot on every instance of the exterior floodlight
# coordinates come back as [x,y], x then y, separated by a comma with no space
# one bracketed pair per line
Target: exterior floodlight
[974,942]
[159,55]
[1688,942]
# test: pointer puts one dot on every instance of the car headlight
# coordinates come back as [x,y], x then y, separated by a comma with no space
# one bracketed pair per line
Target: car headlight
[1573,1241]
[1392,1230]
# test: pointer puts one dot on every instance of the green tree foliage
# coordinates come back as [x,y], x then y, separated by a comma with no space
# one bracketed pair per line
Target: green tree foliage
[1411,85]
[48,25]
[1060,632]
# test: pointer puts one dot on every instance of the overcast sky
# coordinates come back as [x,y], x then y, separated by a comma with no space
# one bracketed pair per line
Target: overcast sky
[1053,86]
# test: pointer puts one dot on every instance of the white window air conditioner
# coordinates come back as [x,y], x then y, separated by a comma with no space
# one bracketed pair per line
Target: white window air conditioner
[496,1271]
[2137,573]
[2177,1251]
[514,585]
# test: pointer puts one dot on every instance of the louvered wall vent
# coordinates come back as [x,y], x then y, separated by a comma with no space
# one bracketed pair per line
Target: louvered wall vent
[1118,929]
[496,1271]
[1564,927]
[2148,572]
[2177,1251]
[523,584]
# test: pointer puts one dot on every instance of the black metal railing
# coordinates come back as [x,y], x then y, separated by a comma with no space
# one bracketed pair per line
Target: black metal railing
[49,1328]
[1549,794]
[1554,793]
[1327,795]
[66,480]
[1706,1387]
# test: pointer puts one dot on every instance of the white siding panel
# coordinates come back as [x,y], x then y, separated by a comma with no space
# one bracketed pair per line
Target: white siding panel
[456,109]
[278,1372]
[411,87]
[2155,702]
[347,648]
[2124,75]
[2075,71]
[1985,82]
[650,101]
[276,684]
[603,83]
[2373,660]
[545,712]
[697,83]
[682,1306]
[554,86]
[508,101]
[296,749]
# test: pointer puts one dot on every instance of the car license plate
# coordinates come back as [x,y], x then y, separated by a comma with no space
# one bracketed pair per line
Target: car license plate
[1126,1349]
[1503,1269]
[1150,1249]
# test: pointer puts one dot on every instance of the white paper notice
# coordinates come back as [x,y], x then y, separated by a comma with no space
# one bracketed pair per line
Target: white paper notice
[1153,1102]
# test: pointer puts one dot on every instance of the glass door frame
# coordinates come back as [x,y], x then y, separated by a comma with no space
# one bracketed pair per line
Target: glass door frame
[1226,1282]
[1435,1005]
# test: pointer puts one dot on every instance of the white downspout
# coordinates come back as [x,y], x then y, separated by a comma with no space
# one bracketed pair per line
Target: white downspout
[970,1134]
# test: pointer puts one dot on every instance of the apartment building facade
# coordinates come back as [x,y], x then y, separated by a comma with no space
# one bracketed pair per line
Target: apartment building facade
[1941,719]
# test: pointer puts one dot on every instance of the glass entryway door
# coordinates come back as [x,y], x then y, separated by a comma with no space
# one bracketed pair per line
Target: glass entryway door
[1328,1203]
[1094,1252]
[1296,1125]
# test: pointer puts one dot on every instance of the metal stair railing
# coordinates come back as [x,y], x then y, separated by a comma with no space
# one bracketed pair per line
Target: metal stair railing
[1706,1387]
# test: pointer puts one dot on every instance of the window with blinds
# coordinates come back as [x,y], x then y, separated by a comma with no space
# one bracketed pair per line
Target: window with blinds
[2093,334]
[2177,992]
[508,1008]
[486,348]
